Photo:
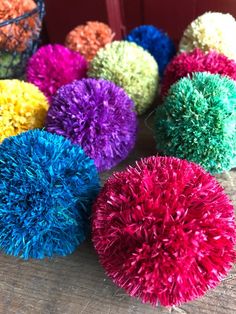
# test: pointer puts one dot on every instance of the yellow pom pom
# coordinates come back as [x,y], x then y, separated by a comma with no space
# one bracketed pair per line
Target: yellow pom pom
[211,31]
[22,107]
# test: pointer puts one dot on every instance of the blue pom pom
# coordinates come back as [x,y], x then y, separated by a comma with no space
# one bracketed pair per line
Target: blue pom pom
[156,42]
[47,186]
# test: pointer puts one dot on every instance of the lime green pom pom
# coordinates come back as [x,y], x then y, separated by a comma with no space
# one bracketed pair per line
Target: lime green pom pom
[197,121]
[130,67]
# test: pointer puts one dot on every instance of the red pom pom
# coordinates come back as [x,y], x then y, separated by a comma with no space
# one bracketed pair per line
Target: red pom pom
[164,230]
[197,61]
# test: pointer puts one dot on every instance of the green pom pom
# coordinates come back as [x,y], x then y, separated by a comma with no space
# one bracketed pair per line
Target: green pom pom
[9,62]
[130,67]
[197,121]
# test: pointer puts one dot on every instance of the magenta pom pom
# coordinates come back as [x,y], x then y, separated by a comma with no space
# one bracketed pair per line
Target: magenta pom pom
[53,66]
[197,61]
[97,115]
[164,230]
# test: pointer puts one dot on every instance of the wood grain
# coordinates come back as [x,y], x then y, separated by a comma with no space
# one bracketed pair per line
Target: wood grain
[77,284]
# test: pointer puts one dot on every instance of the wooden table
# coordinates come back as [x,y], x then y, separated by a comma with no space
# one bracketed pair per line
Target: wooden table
[77,283]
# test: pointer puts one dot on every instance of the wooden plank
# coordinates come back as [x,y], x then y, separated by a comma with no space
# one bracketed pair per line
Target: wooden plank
[115,17]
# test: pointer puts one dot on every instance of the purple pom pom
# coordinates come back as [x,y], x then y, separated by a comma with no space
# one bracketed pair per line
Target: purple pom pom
[99,116]
[53,66]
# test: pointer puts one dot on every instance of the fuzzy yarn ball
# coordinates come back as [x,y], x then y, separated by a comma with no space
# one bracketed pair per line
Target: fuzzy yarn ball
[156,42]
[89,38]
[17,36]
[22,107]
[197,61]
[53,66]
[164,230]
[9,62]
[211,31]
[130,67]
[197,121]
[47,186]
[99,116]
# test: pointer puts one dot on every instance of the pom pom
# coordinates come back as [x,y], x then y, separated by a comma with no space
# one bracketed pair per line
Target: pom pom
[99,116]
[18,36]
[10,63]
[22,107]
[130,67]
[53,66]
[197,61]
[211,31]
[47,186]
[89,38]
[197,121]
[156,42]
[164,230]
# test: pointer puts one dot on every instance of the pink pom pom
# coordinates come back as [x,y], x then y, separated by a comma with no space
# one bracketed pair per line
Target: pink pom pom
[197,61]
[53,66]
[164,230]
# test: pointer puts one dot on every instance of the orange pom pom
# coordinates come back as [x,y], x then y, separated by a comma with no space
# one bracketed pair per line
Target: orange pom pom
[89,38]
[17,36]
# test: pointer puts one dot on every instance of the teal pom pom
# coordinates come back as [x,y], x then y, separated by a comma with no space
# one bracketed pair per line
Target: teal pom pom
[47,186]
[197,121]
[130,67]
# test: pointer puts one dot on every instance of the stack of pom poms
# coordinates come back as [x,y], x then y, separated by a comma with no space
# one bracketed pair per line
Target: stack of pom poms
[164,229]
[197,118]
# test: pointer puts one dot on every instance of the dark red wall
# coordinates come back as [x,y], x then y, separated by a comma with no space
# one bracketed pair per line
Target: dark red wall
[170,15]
[63,15]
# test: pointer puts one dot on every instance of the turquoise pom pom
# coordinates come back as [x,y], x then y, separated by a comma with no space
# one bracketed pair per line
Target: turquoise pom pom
[47,186]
